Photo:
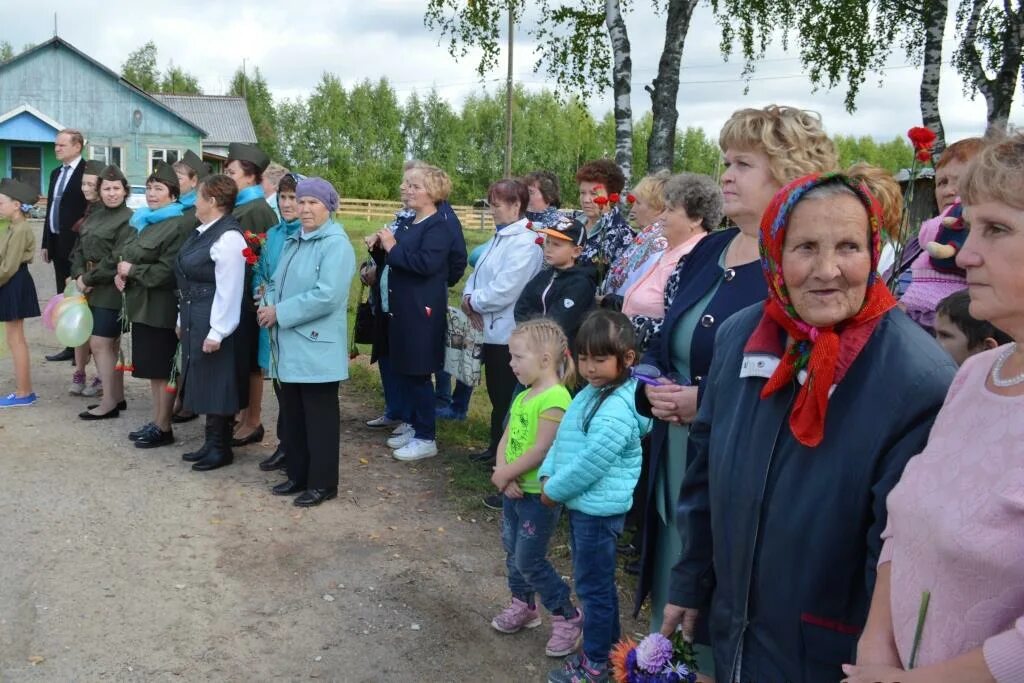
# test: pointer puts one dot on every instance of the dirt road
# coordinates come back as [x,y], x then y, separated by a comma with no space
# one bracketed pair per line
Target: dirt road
[123,564]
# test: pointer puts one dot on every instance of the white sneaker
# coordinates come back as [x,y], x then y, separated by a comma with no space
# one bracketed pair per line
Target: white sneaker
[382,421]
[402,428]
[416,449]
[95,388]
[400,440]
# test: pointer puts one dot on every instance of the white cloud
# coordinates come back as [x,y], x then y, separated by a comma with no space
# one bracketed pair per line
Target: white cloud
[294,45]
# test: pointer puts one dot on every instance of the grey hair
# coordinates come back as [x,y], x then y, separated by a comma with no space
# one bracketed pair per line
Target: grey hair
[698,195]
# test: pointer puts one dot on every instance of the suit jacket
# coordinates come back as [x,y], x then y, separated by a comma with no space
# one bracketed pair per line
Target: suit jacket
[72,208]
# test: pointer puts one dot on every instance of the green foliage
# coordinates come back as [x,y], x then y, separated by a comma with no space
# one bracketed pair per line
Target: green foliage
[893,156]
[261,108]
[177,80]
[140,68]
[6,51]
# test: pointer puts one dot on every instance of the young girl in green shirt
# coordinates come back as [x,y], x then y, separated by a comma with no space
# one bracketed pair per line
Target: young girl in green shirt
[541,362]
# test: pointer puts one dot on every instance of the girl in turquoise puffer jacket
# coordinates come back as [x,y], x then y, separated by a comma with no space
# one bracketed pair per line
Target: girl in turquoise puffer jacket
[592,467]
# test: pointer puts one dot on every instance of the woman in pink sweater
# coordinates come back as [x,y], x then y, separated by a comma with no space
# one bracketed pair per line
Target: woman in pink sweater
[956,518]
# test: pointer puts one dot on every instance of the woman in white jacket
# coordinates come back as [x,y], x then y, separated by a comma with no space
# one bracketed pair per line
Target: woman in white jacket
[512,259]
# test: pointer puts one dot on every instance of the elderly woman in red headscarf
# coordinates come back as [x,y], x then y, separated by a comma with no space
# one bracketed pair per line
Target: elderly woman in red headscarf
[815,401]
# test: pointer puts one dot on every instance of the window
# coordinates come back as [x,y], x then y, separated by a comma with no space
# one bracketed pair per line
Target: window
[26,165]
[105,154]
[161,154]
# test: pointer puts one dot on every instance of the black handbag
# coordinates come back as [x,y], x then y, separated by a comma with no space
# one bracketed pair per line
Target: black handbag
[365,329]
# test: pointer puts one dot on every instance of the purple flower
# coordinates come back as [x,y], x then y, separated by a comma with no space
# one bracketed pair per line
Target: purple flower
[681,672]
[653,653]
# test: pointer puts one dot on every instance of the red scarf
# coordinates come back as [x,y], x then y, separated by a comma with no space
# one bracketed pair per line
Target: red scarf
[825,353]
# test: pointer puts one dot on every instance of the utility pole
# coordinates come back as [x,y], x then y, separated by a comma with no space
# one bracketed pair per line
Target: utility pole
[508,95]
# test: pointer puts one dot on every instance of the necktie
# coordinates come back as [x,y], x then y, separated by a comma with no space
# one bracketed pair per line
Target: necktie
[62,182]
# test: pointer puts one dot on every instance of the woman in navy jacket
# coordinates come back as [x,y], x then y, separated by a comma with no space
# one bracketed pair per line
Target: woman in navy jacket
[721,276]
[414,296]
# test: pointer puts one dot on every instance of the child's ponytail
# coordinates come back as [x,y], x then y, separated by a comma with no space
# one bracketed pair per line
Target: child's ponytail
[547,335]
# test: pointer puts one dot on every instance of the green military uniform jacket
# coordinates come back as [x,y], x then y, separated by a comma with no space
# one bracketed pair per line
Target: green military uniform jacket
[150,293]
[95,255]
[256,216]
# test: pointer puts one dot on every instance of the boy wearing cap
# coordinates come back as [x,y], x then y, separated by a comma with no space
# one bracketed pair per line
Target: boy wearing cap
[563,291]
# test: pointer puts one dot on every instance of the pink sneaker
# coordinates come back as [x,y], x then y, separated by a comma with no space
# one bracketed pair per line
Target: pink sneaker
[517,616]
[566,635]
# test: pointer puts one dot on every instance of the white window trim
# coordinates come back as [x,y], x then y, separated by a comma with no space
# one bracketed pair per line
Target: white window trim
[180,151]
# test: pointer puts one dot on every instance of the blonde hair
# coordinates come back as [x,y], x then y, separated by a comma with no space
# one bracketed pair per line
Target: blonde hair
[792,139]
[545,335]
[886,190]
[435,181]
[996,173]
[273,173]
[652,190]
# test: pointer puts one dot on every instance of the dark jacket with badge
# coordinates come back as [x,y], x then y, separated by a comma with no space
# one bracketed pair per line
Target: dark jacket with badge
[781,539]
[565,296]
[150,294]
[95,256]
[419,273]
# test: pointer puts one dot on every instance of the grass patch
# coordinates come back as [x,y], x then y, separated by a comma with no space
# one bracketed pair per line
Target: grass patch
[466,481]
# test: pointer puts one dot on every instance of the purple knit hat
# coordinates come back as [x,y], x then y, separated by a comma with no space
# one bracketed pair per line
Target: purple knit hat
[318,189]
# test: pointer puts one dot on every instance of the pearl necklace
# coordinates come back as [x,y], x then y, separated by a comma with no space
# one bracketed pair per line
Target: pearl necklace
[997,368]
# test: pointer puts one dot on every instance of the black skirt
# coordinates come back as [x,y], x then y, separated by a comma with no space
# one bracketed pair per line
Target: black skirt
[18,298]
[105,322]
[153,350]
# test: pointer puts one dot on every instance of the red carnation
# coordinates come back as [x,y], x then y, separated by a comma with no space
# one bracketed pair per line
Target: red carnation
[924,155]
[601,201]
[631,198]
[921,138]
[529,225]
[250,256]
[540,241]
[614,197]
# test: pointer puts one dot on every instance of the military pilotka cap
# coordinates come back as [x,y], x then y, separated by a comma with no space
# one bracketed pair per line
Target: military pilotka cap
[192,160]
[164,172]
[93,167]
[18,191]
[239,151]
[112,172]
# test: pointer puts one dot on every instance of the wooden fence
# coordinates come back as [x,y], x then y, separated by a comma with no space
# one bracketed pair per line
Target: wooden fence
[471,217]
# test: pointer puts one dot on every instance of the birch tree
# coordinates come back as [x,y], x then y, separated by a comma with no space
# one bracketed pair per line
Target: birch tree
[622,74]
[665,88]
[989,54]
[844,41]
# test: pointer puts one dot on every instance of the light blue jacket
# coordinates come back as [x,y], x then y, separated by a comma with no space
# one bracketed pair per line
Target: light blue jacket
[270,256]
[310,291]
[595,472]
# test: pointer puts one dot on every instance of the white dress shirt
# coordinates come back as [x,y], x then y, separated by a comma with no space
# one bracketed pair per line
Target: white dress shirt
[229,269]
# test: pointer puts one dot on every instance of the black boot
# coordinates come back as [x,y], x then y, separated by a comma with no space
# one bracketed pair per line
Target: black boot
[275,461]
[202,451]
[219,453]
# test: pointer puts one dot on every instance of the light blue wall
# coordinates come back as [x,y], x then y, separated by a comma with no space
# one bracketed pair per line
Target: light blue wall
[77,94]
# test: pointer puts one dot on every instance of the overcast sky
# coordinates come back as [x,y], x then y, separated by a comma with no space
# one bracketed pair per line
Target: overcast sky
[294,43]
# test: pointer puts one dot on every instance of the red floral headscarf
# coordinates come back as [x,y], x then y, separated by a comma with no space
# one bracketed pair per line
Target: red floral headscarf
[827,352]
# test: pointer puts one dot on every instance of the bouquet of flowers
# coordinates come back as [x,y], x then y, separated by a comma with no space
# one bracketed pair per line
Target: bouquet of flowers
[656,659]
[124,361]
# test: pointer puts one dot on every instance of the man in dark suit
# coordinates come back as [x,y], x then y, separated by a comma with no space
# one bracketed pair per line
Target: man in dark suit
[65,205]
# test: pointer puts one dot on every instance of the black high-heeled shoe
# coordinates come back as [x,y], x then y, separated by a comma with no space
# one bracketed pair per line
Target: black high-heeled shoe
[254,437]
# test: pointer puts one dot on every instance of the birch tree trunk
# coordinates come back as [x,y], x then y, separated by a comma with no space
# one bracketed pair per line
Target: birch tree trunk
[933,16]
[661,146]
[1006,42]
[622,73]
